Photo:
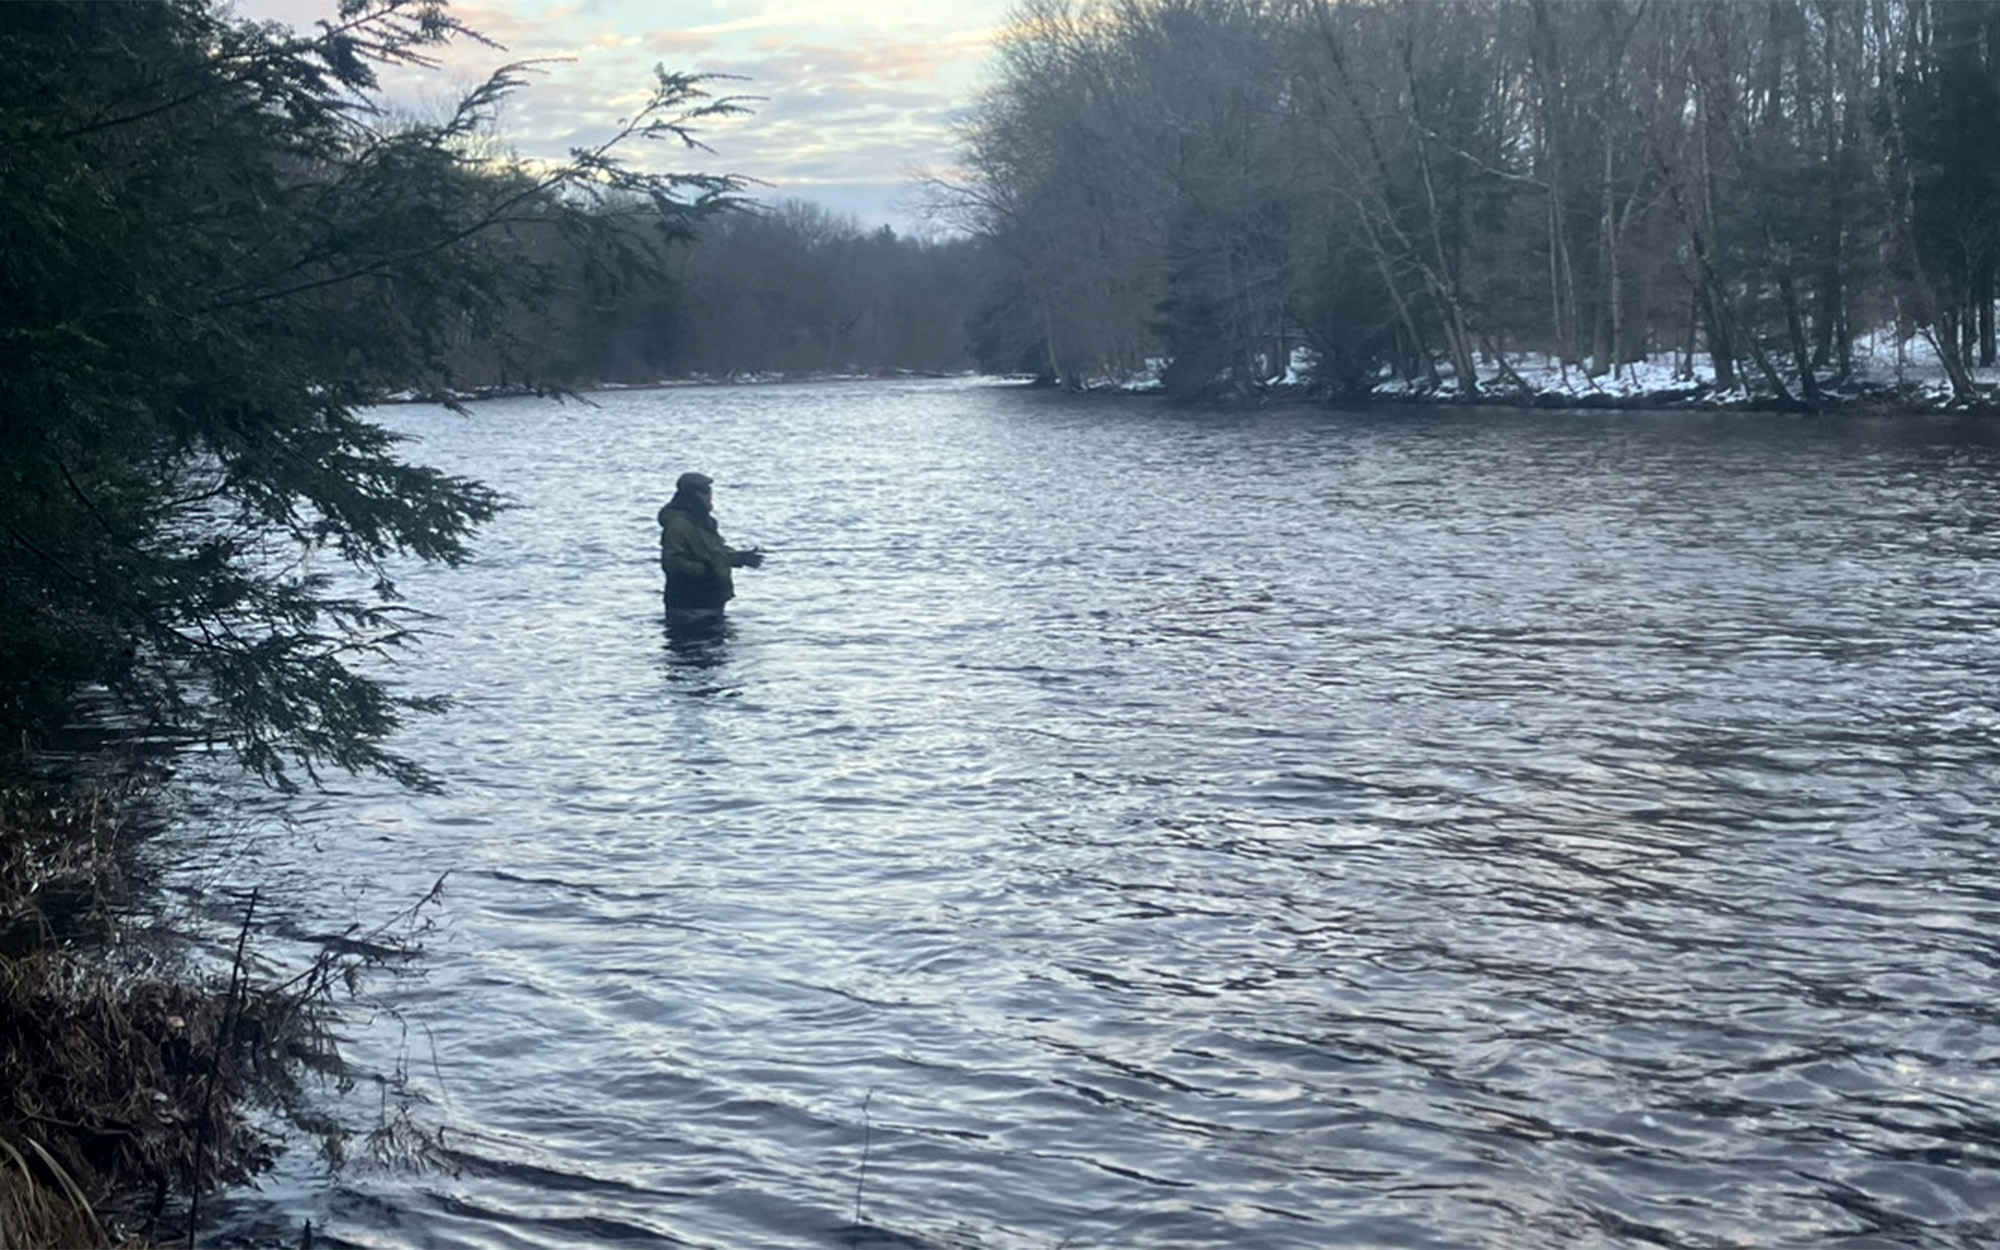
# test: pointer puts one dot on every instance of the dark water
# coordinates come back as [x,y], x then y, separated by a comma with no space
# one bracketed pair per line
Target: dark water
[1265,829]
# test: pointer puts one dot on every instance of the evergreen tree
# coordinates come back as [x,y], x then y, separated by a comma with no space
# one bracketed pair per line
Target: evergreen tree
[213,255]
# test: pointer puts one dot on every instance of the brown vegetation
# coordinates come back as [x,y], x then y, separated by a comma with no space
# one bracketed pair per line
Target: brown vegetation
[133,1085]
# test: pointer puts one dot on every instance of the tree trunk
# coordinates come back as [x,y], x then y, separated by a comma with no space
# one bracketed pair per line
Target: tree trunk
[1795,331]
[1982,293]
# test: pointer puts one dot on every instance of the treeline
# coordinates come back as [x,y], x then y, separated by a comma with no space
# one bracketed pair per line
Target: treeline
[788,289]
[1417,187]
[801,290]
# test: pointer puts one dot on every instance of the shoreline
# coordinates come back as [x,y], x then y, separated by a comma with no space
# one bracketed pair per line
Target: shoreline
[148,1078]
[1868,398]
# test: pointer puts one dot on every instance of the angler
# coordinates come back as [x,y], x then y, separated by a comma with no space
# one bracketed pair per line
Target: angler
[697,562]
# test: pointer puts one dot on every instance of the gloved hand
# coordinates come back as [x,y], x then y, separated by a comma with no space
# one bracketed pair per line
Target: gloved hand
[752,559]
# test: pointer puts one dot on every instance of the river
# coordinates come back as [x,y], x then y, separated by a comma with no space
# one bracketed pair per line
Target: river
[1108,825]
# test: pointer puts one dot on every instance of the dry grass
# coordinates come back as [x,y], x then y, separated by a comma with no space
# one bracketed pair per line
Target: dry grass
[128,1094]
[58,866]
[40,1205]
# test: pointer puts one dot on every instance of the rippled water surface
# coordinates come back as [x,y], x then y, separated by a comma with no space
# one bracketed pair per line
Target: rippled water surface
[1106,825]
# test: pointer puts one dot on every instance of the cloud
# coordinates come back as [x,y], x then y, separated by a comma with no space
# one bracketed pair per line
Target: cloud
[853,94]
[677,44]
[761,21]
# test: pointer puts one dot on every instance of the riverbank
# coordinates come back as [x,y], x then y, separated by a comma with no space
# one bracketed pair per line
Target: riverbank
[119,1086]
[1884,375]
[1909,399]
[141,1079]
[760,378]
[1849,399]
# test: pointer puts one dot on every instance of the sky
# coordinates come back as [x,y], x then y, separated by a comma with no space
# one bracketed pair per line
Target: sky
[857,96]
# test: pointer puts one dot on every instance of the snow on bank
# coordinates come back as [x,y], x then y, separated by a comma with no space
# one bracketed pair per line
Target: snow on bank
[1885,363]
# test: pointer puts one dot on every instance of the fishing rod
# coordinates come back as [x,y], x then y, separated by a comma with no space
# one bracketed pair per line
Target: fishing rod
[782,551]
[876,548]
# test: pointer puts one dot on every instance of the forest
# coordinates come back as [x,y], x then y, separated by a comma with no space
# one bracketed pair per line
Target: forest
[1416,189]
[1207,191]
[782,288]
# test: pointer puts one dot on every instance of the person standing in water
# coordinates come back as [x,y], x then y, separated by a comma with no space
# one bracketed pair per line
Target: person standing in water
[692,554]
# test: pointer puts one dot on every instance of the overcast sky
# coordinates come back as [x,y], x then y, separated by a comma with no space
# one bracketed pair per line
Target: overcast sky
[858,95]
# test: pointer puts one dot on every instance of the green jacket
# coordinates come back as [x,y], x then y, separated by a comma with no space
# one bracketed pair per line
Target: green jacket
[695,560]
